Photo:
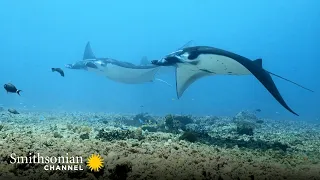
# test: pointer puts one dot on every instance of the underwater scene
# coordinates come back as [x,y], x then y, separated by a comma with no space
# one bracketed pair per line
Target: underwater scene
[125,90]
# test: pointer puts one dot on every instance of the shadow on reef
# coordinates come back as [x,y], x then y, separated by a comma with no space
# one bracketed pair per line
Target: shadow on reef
[230,143]
[245,125]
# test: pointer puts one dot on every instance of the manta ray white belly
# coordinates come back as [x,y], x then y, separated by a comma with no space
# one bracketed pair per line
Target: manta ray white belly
[220,65]
[207,65]
[126,75]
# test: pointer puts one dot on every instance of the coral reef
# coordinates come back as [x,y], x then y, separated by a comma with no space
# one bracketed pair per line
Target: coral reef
[200,148]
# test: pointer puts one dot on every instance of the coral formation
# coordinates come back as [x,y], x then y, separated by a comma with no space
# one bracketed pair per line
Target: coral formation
[246,122]
[150,128]
[57,135]
[84,136]
[139,120]
[245,128]
[189,136]
[176,123]
[117,134]
[120,171]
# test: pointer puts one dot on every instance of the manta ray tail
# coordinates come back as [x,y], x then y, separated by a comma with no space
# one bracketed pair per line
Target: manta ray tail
[265,78]
[88,53]
[259,63]
[163,81]
[290,81]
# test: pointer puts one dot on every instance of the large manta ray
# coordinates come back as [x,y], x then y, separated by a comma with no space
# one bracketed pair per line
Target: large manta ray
[192,63]
[119,71]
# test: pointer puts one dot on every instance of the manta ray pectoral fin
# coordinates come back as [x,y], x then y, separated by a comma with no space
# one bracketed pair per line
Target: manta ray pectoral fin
[88,53]
[186,74]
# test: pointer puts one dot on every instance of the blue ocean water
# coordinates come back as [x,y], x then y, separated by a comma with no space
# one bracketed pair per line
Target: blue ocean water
[38,35]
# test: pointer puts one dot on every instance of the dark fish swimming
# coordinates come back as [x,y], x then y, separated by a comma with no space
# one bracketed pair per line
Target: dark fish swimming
[13,111]
[59,70]
[10,88]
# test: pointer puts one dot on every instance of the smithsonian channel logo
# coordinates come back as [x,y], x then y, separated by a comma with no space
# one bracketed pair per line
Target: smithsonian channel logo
[60,163]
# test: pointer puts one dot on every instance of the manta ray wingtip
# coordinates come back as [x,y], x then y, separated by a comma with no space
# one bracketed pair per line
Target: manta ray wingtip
[292,112]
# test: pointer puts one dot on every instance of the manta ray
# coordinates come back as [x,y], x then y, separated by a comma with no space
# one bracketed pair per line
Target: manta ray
[115,70]
[193,63]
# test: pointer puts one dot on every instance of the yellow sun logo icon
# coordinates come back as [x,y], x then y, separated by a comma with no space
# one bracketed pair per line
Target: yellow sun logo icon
[95,162]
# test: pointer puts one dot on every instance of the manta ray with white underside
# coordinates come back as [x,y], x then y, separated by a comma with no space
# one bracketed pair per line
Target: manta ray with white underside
[193,63]
[116,70]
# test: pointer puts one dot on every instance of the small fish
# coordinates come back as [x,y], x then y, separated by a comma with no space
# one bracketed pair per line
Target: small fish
[141,121]
[59,70]
[10,88]
[258,110]
[124,128]
[259,121]
[13,111]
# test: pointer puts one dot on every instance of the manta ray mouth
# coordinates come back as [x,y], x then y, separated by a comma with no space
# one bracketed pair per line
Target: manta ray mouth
[91,65]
